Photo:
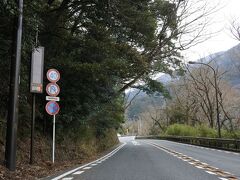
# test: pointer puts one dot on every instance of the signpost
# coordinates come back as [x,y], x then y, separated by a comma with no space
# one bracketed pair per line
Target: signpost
[52,106]
[36,86]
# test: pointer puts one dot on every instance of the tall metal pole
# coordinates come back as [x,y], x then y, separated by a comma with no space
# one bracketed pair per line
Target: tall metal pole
[12,122]
[33,114]
[53,145]
[32,129]
[216,94]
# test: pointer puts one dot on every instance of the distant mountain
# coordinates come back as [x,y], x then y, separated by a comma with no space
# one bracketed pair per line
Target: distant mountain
[228,61]
[163,78]
[143,101]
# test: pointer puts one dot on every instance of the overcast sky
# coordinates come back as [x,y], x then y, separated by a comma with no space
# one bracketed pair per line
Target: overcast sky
[222,40]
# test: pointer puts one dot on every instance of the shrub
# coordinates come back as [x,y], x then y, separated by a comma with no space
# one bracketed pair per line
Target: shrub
[199,131]
[181,130]
[230,135]
[204,131]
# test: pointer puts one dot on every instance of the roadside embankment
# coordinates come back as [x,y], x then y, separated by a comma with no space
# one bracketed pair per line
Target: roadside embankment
[69,153]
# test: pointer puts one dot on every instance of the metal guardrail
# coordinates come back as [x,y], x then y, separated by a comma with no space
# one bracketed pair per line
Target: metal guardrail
[225,144]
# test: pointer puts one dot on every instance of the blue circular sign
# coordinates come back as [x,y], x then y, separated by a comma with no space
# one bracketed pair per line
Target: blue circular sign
[52,108]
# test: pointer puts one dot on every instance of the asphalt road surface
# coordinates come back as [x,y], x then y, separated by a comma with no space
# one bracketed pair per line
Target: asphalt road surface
[158,160]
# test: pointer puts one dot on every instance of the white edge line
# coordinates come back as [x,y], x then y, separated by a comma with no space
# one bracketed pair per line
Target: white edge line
[72,171]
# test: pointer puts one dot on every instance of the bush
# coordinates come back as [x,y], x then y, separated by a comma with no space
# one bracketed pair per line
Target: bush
[199,131]
[204,131]
[230,135]
[181,130]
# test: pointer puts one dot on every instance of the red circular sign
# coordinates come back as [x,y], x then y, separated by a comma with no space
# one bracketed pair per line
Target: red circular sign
[52,89]
[52,108]
[53,75]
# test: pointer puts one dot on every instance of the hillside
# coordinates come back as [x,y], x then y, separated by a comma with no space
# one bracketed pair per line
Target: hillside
[142,101]
[228,61]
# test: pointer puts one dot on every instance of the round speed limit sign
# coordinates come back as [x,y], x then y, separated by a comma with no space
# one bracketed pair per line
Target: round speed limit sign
[53,75]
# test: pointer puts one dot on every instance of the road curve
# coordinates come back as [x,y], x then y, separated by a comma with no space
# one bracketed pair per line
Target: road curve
[158,160]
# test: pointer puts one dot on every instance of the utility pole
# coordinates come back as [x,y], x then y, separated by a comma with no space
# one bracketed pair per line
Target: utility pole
[12,122]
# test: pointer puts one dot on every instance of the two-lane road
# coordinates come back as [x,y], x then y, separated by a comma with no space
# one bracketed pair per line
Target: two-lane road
[159,160]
